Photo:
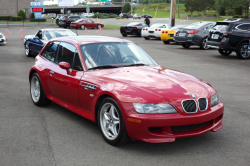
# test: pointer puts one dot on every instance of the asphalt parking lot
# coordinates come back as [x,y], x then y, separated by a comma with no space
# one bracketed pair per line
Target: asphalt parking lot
[52,135]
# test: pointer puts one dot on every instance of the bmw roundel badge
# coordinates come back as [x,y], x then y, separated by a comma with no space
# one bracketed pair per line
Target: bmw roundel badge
[193,95]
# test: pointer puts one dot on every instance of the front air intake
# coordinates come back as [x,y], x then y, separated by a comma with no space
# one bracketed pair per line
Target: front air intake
[189,106]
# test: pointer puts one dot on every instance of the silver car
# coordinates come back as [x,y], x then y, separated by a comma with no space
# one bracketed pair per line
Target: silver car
[194,34]
[2,39]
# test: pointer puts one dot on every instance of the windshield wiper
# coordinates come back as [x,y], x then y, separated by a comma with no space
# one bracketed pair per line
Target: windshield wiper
[103,67]
[136,64]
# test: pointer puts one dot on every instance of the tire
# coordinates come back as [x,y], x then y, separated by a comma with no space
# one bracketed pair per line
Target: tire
[224,52]
[124,35]
[36,91]
[139,34]
[146,38]
[242,51]
[111,123]
[166,42]
[203,45]
[83,27]
[186,45]
[27,50]
[99,26]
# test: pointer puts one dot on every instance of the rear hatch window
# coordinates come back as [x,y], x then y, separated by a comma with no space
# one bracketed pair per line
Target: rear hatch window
[216,34]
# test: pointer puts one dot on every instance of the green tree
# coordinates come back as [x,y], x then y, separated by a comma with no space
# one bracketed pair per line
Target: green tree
[126,8]
[191,5]
[228,6]
[32,16]
[22,14]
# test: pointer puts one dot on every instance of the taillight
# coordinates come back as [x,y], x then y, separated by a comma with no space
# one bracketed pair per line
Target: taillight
[155,29]
[192,32]
[143,29]
[225,34]
[159,29]
[146,29]
[134,28]
[162,31]
[166,31]
[176,32]
[122,27]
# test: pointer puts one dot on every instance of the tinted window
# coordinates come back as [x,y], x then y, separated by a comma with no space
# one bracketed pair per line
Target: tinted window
[50,51]
[65,53]
[243,27]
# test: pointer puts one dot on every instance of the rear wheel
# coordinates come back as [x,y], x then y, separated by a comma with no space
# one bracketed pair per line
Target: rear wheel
[204,44]
[82,26]
[111,123]
[242,51]
[36,91]
[224,52]
[166,42]
[186,45]
[124,35]
[146,38]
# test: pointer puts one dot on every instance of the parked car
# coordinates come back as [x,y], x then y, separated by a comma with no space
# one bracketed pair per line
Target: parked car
[144,16]
[194,34]
[167,36]
[66,20]
[88,23]
[121,15]
[114,83]
[154,31]
[127,15]
[2,39]
[133,28]
[33,44]
[136,16]
[58,19]
[229,36]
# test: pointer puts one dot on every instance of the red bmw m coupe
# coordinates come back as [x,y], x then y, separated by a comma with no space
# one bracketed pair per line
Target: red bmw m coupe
[114,83]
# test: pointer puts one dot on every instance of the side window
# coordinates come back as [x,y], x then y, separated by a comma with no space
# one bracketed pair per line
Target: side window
[243,27]
[77,65]
[88,21]
[50,51]
[65,53]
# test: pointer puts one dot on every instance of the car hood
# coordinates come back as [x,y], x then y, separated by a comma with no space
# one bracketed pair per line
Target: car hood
[169,85]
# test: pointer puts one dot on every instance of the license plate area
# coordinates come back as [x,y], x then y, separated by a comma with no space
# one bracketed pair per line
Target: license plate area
[182,34]
[171,35]
[128,29]
[215,36]
[150,31]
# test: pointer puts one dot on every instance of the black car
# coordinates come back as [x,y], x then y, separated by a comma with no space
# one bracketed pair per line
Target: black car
[144,16]
[133,28]
[228,36]
[66,20]
[58,19]
[125,15]
[194,34]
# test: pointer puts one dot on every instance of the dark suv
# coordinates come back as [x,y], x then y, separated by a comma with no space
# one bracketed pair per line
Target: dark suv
[66,20]
[228,36]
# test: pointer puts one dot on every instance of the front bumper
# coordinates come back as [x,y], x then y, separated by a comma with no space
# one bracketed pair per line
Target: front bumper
[3,41]
[158,128]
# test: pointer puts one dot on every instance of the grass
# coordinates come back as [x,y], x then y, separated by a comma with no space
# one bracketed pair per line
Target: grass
[112,27]
[25,22]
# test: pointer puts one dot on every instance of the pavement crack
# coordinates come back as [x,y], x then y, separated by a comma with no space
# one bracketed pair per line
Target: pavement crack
[49,143]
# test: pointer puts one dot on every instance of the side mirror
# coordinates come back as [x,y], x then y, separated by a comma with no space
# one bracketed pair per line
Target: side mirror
[66,66]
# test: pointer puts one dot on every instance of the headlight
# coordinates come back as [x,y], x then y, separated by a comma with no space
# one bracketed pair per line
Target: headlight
[148,108]
[214,100]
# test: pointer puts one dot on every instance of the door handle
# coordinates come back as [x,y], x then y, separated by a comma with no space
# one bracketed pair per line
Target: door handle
[51,72]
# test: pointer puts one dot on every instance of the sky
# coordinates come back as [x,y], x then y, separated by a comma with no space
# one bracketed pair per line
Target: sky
[55,2]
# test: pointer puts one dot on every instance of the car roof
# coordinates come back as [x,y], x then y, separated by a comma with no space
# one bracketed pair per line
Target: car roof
[232,21]
[90,39]
[54,29]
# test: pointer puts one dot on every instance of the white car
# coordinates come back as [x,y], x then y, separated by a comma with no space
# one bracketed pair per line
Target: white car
[2,39]
[154,30]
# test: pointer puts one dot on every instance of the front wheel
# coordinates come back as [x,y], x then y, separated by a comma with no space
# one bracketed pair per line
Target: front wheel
[99,26]
[186,45]
[111,123]
[242,51]
[166,42]
[224,52]
[27,50]
[36,91]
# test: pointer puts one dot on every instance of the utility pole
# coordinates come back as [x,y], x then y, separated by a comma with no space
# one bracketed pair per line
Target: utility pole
[178,8]
[148,7]
[131,6]
[172,13]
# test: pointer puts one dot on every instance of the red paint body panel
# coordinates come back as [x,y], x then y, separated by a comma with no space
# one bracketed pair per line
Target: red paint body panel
[128,85]
[86,24]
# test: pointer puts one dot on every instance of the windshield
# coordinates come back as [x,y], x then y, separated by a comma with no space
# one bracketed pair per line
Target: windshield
[59,33]
[114,53]
[80,20]
[134,24]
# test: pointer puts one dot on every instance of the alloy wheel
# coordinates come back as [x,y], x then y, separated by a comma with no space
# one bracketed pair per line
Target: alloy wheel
[244,51]
[109,121]
[35,89]
[27,49]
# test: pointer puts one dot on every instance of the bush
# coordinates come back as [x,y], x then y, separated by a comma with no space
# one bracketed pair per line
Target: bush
[211,15]
[199,15]
[22,14]
[32,16]
[37,20]
[12,18]
[105,15]
[230,12]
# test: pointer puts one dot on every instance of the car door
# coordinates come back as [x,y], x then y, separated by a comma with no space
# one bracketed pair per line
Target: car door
[88,23]
[37,43]
[65,86]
